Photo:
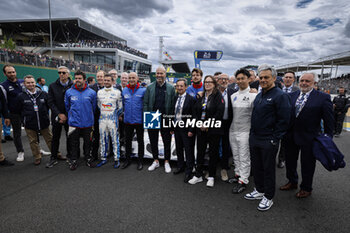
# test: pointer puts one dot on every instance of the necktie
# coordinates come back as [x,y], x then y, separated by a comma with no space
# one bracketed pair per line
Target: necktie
[178,108]
[299,104]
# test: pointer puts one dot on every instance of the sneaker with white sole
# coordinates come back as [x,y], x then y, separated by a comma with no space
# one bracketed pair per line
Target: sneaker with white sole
[224,176]
[167,167]
[195,180]
[20,157]
[255,195]
[45,153]
[153,166]
[210,182]
[265,204]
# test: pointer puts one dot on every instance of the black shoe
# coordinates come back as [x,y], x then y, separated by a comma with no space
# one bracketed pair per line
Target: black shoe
[126,164]
[337,135]
[73,165]
[8,138]
[139,166]
[238,188]
[234,179]
[90,163]
[6,163]
[187,178]
[281,164]
[179,170]
[52,163]
[3,141]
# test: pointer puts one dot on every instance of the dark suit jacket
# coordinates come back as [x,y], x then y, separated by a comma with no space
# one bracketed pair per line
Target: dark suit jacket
[187,108]
[304,128]
[230,91]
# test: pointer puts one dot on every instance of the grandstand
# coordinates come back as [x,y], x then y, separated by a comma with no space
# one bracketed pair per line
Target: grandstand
[76,43]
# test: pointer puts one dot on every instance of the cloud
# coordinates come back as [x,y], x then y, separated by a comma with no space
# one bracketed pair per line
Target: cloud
[347,29]
[303,3]
[319,23]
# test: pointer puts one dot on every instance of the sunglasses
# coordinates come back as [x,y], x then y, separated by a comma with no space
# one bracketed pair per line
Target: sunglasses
[59,72]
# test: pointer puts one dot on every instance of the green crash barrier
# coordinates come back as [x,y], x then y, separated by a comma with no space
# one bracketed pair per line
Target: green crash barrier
[49,74]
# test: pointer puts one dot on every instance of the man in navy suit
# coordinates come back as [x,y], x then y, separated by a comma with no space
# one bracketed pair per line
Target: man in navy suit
[309,107]
[183,105]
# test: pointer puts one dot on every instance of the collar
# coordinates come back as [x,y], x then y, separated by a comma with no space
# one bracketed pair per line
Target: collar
[80,89]
[245,90]
[307,93]
[133,88]
[183,95]
[197,86]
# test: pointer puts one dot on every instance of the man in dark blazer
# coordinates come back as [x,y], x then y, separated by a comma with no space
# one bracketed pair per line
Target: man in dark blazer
[309,107]
[288,87]
[226,123]
[183,110]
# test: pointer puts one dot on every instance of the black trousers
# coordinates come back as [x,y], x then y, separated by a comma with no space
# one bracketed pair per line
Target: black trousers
[282,152]
[121,128]
[74,142]
[339,119]
[226,147]
[308,164]
[56,135]
[95,138]
[129,132]
[203,139]
[263,159]
[184,142]
[153,135]
[16,123]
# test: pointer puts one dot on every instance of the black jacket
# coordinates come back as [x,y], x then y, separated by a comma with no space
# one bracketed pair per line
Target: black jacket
[187,109]
[214,109]
[56,98]
[34,120]
[341,103]
[271,115]
[3,105]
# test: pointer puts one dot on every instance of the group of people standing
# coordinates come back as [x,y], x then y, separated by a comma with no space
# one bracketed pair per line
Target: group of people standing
[254,122]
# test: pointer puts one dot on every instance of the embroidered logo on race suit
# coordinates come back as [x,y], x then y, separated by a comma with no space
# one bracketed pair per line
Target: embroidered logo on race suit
[108,106]
[74,98]
[269,99]
[245,98]
[235,98]
[11,88]
[42,100]
[27,101]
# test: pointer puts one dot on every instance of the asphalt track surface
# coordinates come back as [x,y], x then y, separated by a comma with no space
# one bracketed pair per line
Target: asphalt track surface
[37,199]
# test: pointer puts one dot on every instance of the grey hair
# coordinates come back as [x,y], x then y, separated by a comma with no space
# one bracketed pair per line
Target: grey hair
[125,73]
[112,70]
[267,67]
[63,67]
[316,79]
[182,80]
[28,76]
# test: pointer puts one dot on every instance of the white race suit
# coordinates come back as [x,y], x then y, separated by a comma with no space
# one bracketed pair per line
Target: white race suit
[242,104]
[109,101]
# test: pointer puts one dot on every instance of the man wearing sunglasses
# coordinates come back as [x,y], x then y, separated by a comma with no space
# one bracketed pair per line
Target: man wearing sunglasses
[56,94]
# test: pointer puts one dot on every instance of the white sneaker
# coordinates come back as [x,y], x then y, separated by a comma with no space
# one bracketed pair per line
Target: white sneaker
[224,176]
[210,182]
[20,157]
[153,166]
[45,153]
[255,195]
[195,180]
[167,167]
[265,204]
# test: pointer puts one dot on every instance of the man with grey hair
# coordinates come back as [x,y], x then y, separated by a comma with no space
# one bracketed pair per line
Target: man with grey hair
[124,79]
[269,122]
[159,97]
[114,74]
[309,107]
[59,114]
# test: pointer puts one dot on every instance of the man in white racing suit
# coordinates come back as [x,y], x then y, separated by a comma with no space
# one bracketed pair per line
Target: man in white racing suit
[109,101]
[242,104]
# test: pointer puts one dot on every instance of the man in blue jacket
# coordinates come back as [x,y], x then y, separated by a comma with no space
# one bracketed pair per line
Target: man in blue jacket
[133,95]
[32,103]
[13,86]
[309,106]
[80,103]
[269,122]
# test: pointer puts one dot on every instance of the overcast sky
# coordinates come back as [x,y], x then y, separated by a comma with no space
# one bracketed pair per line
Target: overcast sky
[276,32]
